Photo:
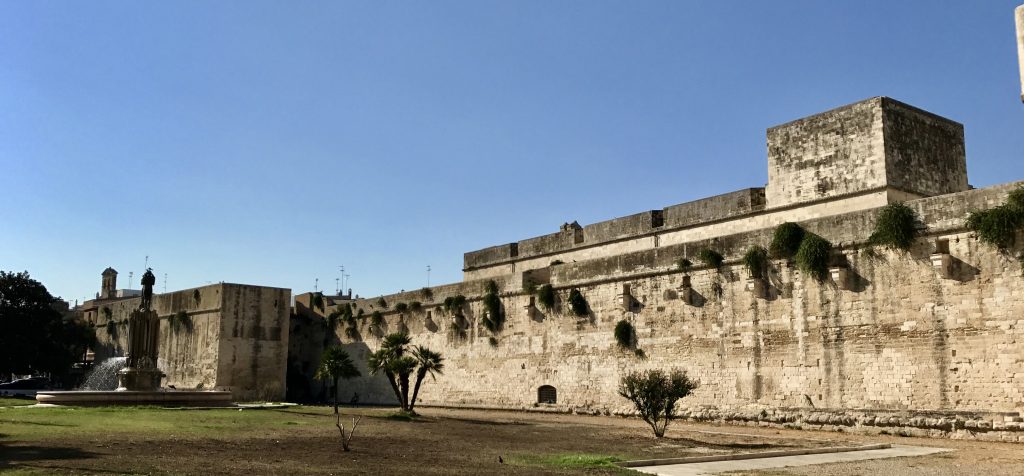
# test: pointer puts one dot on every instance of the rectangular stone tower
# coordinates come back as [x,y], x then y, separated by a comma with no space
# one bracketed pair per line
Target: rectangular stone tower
[879,146]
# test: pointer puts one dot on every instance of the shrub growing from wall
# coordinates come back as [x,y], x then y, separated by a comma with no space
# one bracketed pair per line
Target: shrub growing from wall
[377,319]
[813,256]
[786,240]
[546,296]
[895,227]
[492,304]
[710,258]
[454,304]
[756,262]
[181,320]
[625,334]
[578,303]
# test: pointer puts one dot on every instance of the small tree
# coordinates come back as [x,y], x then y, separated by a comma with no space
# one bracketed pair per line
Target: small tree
[429,362]
[336,364]
[393,359]
[384,361]
[655,393]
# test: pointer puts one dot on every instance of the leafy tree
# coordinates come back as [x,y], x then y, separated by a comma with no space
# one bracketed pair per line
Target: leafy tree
[655,393]
[336,364]
[34,337]
[395,360]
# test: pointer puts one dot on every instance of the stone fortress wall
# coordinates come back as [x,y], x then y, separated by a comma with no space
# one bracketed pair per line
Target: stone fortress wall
[235,338]
[888,338]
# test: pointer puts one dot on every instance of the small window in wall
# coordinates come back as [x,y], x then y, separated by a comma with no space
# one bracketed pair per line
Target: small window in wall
[547,394]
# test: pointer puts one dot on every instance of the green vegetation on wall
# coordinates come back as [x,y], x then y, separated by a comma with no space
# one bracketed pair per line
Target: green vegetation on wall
[181,321]
[316,301]
[625,334]
[377,319]
[684,264]
[710,258]
[402,307]
[756,262]
[786,240]
[546,296]
[895,228]
[578,303]
[427,294]
[999,226]
[382,303]
[813,256]
[454,304]
[495,315]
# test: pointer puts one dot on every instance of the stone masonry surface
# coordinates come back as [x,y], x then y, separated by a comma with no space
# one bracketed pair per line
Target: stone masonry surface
[889,340]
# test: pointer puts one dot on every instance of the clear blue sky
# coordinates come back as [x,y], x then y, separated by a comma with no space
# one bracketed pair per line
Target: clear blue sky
[270,142]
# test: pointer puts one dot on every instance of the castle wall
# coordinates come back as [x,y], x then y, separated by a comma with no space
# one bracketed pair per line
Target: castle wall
[203,352]
[924,152]
[901,337]
[756,218]
[253,347]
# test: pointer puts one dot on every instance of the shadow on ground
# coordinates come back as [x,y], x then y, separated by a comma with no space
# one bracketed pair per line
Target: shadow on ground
[12,456]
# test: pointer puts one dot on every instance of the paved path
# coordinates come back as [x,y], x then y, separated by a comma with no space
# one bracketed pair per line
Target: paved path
[694,469]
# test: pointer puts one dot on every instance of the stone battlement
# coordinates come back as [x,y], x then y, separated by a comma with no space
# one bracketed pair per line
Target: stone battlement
[855,157]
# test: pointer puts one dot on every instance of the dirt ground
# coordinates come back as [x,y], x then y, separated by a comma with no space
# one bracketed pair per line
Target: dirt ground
[303,440]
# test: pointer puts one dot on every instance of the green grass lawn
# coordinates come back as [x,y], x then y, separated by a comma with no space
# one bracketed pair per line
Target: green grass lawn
[16,402]
[28,424]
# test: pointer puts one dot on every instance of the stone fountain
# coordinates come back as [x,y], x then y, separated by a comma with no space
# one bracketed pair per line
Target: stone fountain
[139,381]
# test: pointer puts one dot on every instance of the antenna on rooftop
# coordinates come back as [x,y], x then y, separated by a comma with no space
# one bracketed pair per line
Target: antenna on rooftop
[130,275]
[165,283]
[428,275]
[316,285]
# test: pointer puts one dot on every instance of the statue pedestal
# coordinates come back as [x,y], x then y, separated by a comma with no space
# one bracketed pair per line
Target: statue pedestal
[138,379]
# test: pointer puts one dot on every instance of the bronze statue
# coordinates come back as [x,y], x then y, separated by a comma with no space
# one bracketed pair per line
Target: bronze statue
[141,372]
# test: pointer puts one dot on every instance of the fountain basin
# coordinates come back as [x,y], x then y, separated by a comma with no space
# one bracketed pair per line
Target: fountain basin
[179,398]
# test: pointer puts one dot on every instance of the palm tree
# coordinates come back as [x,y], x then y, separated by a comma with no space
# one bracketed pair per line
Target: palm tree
[335,364]
[430,362]
[386,360]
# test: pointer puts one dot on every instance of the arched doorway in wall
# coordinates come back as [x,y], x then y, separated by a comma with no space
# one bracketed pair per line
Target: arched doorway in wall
[547,394]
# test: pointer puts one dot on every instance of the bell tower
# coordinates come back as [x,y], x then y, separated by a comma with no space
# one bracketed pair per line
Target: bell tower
[109,288]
